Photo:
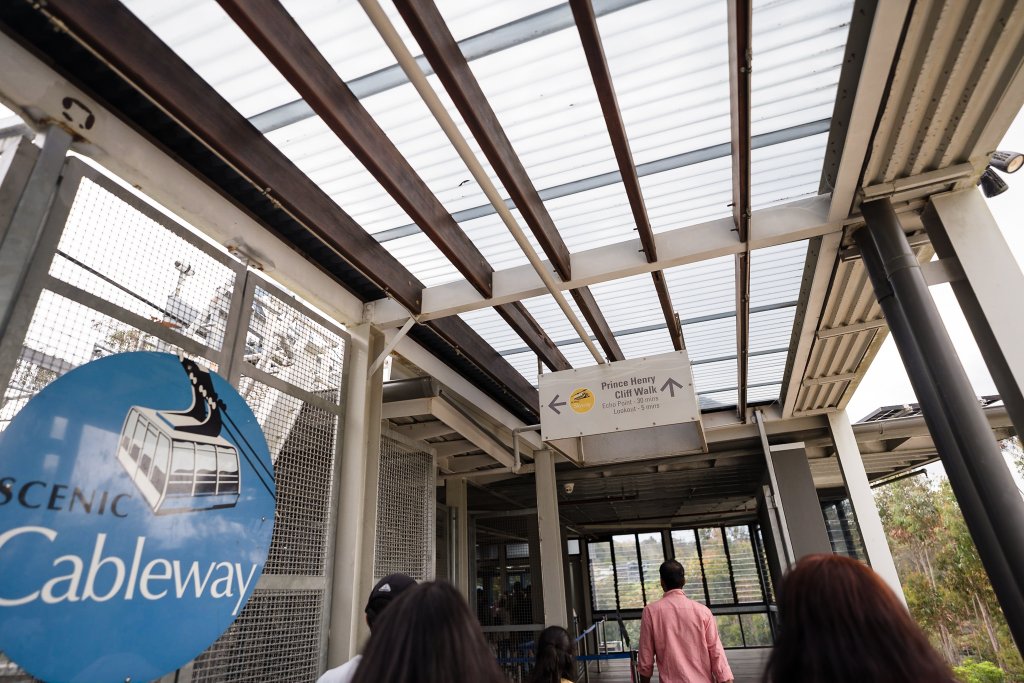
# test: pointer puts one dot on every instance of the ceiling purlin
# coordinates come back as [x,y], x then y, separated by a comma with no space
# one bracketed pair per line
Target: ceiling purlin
[586,23]
[740,22]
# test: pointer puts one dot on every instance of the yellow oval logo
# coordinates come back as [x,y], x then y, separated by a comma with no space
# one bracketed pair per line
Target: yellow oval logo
[581,400]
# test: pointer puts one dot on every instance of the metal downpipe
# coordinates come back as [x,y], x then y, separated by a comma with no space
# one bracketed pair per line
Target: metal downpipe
[992,506]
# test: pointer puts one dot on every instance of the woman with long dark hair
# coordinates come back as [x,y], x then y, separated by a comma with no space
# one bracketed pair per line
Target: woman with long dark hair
[840,623]
[555,660]
[428,635]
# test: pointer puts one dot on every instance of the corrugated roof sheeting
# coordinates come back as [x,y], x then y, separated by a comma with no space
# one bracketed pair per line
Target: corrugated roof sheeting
[629,302]
[786,171]
[544,97]
[649,343]
[492,327]
[798,51]
[526,364]
[851,301]
[776,273]
[950,77]
[546,311]
[711,339]
[667,60]
[703,288]
[688,195]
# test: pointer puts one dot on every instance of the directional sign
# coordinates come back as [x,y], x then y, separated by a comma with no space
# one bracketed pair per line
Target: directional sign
[633,394]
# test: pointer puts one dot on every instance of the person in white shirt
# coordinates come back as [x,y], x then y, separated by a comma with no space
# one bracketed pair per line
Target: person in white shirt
[386,590]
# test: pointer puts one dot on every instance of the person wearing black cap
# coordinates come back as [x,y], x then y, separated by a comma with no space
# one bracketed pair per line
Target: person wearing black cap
[383,593]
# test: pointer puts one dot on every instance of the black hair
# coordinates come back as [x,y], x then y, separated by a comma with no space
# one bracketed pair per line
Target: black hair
[555,659]
[672,575]
[428,635]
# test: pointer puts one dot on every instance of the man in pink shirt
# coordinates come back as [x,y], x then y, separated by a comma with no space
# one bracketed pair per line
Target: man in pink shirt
[682,635]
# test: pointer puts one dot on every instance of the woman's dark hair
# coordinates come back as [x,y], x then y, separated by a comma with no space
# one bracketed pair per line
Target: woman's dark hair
[840,623]
[555,659]
[428,635]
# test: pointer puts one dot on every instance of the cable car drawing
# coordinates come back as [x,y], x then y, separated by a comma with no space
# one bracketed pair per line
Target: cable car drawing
[177,458]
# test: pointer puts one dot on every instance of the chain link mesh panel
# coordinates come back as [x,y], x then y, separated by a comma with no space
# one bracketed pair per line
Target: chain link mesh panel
[284,342]
[302,446]
[64,334]
[154,273]
[275,638]
[406,508]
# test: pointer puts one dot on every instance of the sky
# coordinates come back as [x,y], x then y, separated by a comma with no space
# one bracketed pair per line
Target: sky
[886,381]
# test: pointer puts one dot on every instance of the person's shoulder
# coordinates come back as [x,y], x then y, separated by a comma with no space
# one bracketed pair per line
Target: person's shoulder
[343,673]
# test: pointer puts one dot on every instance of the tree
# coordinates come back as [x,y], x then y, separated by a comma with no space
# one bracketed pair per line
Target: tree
[947,589]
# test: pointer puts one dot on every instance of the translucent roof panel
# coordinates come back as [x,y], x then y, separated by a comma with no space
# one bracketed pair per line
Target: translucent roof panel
[786,171]
[492,327]
[798,49]
[526,364]
[544,97]
[764,376]
[417,253]
[771,330]
[669,65]
[629,302]
[491,236]
[776,274]
[546,311]
[578,355]
[649,343]
[467,18]
[717,400]
[318,152]
[715,376]
[713,339]
[703,288]
[593,218]
[689,194]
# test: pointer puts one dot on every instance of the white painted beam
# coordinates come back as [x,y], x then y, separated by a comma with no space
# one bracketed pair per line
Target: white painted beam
[789,222]
[863,502]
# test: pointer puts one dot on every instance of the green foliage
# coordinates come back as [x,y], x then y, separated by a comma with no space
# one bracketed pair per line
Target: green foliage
[947,589]
[971,671]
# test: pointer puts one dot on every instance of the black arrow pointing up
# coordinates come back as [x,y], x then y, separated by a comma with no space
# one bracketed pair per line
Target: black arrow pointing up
[554,406]
[671,385]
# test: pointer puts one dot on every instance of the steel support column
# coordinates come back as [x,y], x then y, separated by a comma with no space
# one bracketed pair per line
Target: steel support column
[992,506]
[357,514]
[863,502]
[552,560]
[456,498]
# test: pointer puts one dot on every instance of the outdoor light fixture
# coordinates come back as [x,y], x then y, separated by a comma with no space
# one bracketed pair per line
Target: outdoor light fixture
[1007,162]
[991,184]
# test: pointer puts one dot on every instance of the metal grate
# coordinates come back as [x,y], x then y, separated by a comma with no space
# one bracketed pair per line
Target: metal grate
[64,334]
[406,507]
[302,445]
[154,273]
[275,638]
[284,342]
[10,673]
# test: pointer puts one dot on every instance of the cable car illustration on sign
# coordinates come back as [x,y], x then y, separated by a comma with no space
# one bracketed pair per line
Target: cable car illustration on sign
[177,458]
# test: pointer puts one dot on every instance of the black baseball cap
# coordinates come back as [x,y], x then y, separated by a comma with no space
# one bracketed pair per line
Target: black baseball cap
[386,590]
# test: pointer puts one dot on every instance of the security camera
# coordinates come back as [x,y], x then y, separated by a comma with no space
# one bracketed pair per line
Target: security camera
[569,487]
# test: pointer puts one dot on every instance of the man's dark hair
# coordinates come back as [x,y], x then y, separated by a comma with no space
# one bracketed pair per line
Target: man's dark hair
[672,575]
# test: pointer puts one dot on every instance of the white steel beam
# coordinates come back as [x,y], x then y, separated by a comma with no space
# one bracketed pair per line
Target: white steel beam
[863,502]
[549,527]
[883,42]
[791,222]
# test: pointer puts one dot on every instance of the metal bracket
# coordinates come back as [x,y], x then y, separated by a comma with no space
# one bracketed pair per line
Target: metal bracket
[391,347]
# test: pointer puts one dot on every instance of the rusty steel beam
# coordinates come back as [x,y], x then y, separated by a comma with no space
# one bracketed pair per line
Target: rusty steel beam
[520,320]
[740,20]
[442,52]
[598,325]
[288,48]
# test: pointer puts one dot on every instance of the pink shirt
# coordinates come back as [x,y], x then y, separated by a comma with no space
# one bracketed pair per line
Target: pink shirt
[683,636]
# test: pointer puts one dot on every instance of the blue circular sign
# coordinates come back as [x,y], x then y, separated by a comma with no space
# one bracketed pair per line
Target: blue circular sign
[136,511]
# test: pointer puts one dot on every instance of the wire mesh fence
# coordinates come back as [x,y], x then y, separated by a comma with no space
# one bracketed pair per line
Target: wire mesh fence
[406,511]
